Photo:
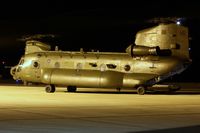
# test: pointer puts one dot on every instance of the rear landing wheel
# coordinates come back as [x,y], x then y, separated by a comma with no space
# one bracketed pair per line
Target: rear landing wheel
[173,88]
[50,88]
[141,90]
[71,88]
[118,89]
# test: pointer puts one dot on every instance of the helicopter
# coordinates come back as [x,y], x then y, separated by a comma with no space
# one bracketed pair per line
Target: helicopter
[159,52]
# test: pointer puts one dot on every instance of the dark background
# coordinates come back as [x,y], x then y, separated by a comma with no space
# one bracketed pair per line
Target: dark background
[91,25]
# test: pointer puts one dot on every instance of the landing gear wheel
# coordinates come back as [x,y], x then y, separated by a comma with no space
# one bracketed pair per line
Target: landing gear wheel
[50,88]
[118,89]
[71,88]
[141,90]
[174,88]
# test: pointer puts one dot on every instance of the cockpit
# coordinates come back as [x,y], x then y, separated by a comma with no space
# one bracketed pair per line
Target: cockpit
[16,69]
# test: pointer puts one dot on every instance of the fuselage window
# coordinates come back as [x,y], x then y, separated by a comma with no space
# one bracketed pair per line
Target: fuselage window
[93,64]
[111,66]
[127,68]
[35,64]
[57,65]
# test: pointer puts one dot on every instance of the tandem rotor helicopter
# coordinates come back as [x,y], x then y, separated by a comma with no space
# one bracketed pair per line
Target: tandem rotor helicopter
[158,53]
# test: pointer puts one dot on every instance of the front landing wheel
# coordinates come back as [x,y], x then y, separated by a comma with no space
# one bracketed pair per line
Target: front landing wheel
[141,90]
[50,88]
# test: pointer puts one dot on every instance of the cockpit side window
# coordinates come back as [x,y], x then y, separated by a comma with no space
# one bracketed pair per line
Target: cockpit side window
[21,62]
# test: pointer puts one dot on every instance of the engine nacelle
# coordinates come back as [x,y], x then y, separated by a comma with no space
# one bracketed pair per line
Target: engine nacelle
[36,46]
[142,50]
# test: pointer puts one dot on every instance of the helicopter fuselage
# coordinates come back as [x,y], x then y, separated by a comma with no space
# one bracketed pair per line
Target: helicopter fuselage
[96,69]
[159,52]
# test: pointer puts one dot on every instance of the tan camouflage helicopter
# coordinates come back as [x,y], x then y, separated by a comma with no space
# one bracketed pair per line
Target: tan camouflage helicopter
[159,52]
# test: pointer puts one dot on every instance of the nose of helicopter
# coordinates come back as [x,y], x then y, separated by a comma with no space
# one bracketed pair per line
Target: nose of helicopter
[13,72]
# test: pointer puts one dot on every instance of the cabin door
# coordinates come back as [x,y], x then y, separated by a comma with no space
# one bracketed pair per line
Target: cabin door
[36,68]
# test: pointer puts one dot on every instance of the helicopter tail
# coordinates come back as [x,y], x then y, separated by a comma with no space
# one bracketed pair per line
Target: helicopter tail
[171,37]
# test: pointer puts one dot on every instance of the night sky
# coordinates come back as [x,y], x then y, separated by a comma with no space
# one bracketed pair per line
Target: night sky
[98,25]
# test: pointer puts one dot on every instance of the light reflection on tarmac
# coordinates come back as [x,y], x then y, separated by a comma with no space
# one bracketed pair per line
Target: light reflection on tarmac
[31,109]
